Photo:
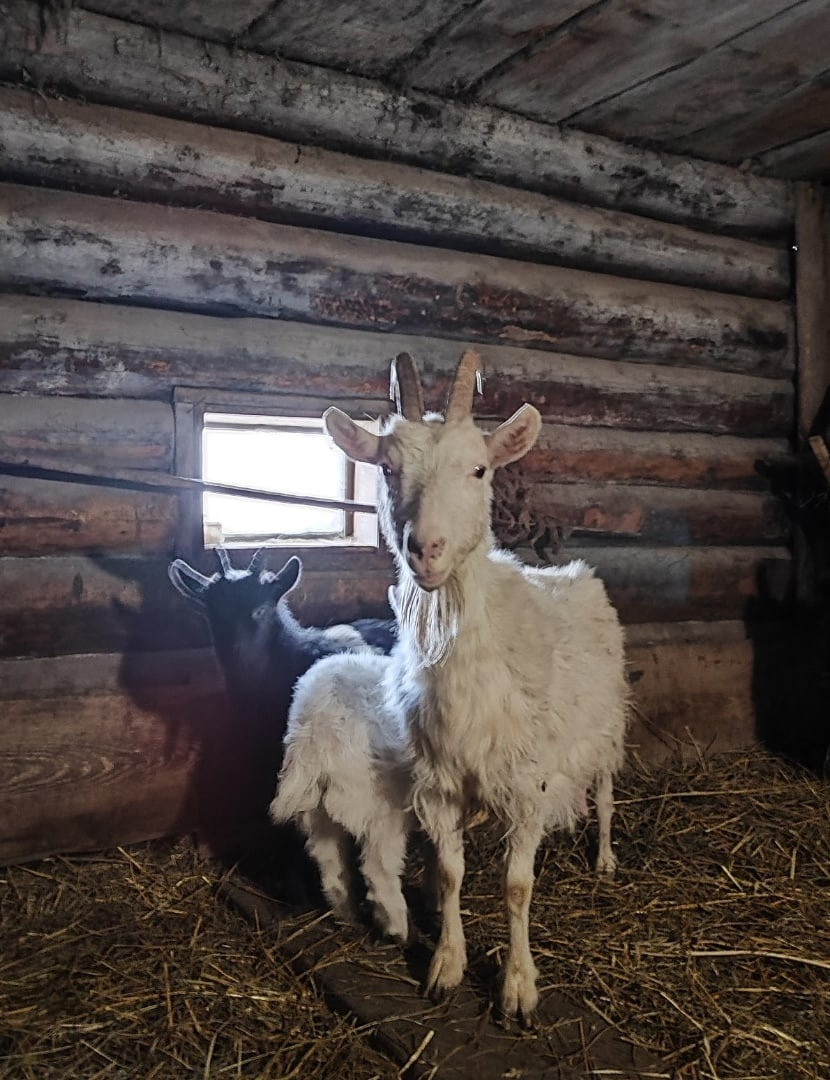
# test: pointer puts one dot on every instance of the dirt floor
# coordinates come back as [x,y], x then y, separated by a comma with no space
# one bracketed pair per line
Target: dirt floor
[708,955]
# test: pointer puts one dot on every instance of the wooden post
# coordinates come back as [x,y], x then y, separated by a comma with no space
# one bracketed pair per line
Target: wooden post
[812,235]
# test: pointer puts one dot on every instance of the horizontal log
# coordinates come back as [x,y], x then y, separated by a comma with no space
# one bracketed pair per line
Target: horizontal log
[688,460]
[111,151]
[63,604]
[65,347]
[212,84]
[677,584]
[99,750]
[647,514]
[82,432]
[108,249]
[40,517]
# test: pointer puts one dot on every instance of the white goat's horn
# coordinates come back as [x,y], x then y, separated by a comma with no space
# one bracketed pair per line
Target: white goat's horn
[467,380]
[224,560]
[405,387]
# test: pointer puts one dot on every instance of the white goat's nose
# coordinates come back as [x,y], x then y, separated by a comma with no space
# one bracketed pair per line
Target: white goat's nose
[425,551]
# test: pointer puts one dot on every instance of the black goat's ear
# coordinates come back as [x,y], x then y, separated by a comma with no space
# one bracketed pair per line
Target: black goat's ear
[290,574]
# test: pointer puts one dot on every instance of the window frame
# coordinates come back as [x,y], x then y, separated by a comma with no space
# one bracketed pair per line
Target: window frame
[190,404]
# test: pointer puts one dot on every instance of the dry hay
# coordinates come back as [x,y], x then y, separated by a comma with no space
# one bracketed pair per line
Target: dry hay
[711,948]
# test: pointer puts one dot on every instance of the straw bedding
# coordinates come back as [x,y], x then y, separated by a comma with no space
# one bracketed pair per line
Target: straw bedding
[711,948]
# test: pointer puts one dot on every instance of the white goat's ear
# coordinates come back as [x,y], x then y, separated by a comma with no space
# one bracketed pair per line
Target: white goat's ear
[512,439]
[356,442]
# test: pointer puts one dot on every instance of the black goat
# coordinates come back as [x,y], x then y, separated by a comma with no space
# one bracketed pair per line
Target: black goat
[261,647]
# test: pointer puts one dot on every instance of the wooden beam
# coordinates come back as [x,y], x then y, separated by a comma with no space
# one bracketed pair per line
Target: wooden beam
[73,603]
[812,303]
[568,78]
[212,84]
[67,347]
[100,150]
[191,259]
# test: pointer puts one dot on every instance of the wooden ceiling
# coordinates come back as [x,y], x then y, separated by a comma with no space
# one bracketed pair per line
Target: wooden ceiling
[746,82]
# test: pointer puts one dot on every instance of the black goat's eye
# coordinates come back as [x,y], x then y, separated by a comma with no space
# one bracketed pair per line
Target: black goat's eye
[386,469]
[479,471]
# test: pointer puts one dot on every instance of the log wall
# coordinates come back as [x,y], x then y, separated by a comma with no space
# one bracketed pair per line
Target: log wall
[291,249]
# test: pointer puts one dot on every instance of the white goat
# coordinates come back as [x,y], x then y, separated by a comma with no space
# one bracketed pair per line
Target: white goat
[347,774]
[519,673]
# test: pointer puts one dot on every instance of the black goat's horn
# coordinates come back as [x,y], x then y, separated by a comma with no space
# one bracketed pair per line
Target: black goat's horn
[224,560]
[468,379]
[405,388]
[256,560]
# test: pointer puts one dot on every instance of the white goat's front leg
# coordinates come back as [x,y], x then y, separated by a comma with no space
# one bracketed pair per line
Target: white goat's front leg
[329,845]
[606,859]
[382,859]
[449,961]
[519,996]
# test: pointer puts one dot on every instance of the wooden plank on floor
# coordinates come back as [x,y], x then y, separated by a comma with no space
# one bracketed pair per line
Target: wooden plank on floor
[453,1041]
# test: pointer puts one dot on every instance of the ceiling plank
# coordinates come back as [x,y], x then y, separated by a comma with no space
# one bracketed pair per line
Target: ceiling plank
[783,119]
[735,79]
[216,20]
[486,35]
[613,47]
[369,38]
[804,159]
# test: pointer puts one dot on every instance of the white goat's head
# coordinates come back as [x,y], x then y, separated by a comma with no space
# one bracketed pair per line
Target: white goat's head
[437,470]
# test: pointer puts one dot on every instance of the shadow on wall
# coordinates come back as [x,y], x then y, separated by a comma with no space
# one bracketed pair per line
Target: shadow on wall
[217,766]
[791,636]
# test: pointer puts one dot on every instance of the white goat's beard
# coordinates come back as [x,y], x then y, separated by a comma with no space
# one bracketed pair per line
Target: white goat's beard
[430,619]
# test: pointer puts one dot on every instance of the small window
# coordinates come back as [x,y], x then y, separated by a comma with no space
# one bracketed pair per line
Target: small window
[290,454]
[259,441]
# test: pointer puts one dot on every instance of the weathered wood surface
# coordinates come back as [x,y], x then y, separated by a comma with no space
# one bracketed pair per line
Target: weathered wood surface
[566,453]
[424,1041]
[72,603]
[654,515]
[728,80]
[567,77]
[100,248]
[42,516]
[119,434]
[212,19]
[65,347]
[106,151]
[812,303]
[369,39]
[99,750]
[117,63]
[482,38]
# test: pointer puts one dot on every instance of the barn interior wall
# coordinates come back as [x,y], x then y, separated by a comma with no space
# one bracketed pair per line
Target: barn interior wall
[142,252]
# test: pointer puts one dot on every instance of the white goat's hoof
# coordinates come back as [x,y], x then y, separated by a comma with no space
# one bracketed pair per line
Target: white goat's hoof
[606,864]
[520,998]
[445,973]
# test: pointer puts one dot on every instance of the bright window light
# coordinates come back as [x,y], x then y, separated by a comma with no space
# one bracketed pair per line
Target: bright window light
[288,454]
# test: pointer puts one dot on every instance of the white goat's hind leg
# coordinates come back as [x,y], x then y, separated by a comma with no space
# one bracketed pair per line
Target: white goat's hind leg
[330,846]
[449,960]
[382,858]
[606,859]
[519,996]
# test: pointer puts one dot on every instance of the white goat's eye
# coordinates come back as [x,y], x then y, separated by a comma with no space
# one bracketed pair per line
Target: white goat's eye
[479,471]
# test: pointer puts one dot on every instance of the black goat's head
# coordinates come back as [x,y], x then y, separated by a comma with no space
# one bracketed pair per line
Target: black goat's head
[235,601]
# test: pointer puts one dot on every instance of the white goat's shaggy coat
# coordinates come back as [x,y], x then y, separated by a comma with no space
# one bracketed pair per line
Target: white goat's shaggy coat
[519,673]
[346,773]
